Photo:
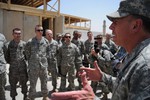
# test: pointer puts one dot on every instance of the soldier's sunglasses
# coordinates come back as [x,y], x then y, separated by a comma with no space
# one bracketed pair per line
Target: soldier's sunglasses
[67,36]
[39,30]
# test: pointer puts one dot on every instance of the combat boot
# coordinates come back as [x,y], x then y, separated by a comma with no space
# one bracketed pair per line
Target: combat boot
[13,98]
[25,97]
[45,98]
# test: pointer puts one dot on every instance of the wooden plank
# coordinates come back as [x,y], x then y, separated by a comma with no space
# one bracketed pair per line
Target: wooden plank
[77,27]
[26,9]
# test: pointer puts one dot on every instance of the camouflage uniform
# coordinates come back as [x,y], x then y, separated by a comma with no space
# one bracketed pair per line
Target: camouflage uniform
[36,54]
[133,80]
[52,61]
[69,58]
[18,68]
[132,83]
[104,61]
[112,46]
[2,68]
[81,47]
[88,46]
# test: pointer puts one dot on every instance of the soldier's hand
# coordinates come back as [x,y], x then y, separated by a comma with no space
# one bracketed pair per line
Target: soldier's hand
[94,53]
[94,74]
[85,94]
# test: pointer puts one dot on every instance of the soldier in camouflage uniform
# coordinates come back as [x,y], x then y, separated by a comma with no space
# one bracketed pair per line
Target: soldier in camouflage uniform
[36,51]
[52,58]
[2,67]
[81,47]
[131,29]
[18,68]
[102,55]
[89,44]
[112,46]
[69,58]
[78,42]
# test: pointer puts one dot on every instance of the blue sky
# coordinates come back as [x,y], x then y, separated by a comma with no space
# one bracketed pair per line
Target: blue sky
[96,10]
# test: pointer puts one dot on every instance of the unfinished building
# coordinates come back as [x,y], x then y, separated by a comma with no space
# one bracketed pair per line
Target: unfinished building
[25,14]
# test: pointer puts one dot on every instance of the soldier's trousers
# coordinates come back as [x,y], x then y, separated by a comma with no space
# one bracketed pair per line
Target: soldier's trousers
[2,86]
[33,77]
[71,76]
[79,79]
[53,70]
[14,78]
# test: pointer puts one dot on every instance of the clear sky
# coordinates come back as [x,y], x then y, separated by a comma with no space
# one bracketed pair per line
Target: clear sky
[96,10]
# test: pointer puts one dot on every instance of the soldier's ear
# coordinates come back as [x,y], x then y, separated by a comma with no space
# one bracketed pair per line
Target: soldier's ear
[137,25]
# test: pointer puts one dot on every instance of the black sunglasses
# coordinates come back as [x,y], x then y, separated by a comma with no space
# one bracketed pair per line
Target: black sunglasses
[39,30]
[67,36]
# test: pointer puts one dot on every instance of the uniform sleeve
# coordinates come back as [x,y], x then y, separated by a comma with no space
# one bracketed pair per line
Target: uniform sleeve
[109,80]
[82,48]
[6,52]
[78,59]
[27,51]
[59,56]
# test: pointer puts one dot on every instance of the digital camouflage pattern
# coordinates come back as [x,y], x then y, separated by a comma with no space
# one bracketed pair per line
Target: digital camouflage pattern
[36,54]
[52,61]
[18,68]
[2,67]
[132,83]
[69,58]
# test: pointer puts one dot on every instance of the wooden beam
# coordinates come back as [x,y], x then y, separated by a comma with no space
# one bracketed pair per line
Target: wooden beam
[28,3]
[36,4]
[40,20]
[9,3]
[23,2]
[77,27]
[45,5]
[27,9]
[58,7]
[51,24]
[32,4]
[53,5]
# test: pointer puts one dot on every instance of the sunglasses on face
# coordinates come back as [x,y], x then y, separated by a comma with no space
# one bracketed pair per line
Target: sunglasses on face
[67,36]
[39,30]
[17,33]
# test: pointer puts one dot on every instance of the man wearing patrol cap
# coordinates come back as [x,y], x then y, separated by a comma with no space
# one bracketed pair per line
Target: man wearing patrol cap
[131,29]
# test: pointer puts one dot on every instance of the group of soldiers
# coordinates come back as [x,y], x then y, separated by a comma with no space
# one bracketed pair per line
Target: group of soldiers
[61,57]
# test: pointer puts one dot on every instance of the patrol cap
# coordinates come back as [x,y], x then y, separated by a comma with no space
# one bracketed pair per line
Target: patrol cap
[98,37]
[127,7]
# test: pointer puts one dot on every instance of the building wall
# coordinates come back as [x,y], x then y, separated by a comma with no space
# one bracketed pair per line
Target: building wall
[1,21]
[59,24]
[29,26]
[12,19]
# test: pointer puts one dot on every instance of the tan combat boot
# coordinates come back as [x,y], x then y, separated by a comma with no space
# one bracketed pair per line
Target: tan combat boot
[45,98]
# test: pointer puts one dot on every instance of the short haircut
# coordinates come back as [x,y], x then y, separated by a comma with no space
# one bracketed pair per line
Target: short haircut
[67,33]
[89,32]
[38,26]
[146,22]
[16,29]
[75,32]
